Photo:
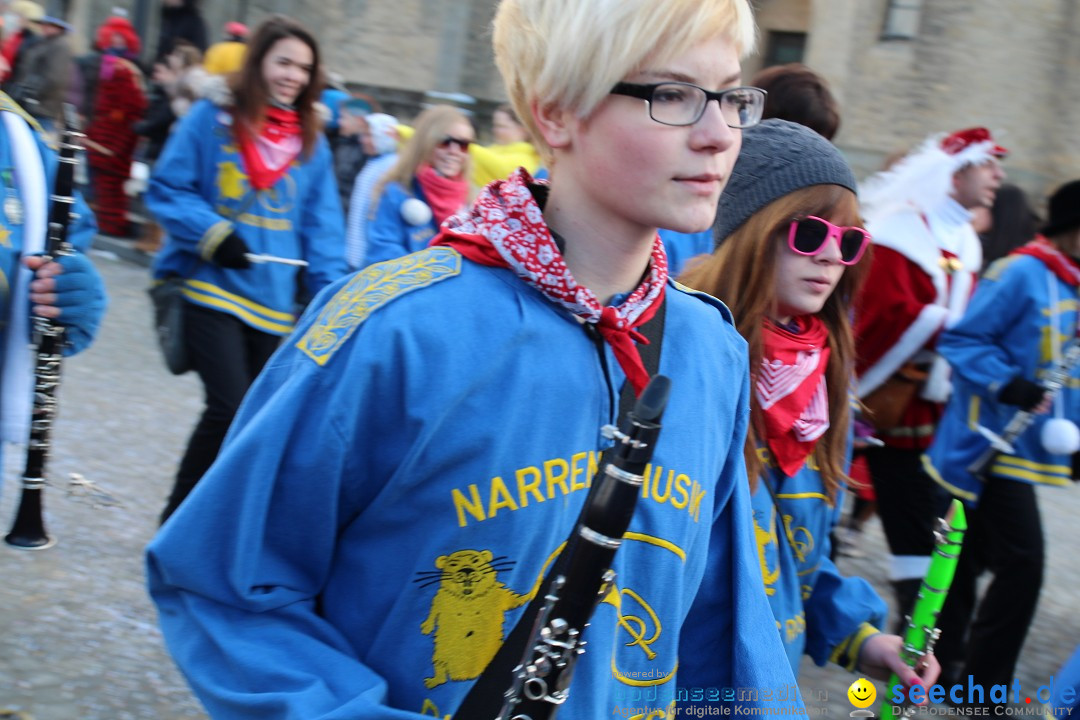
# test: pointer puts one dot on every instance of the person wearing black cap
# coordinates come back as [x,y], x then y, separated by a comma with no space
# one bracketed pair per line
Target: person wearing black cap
[1020,321]
[787,265]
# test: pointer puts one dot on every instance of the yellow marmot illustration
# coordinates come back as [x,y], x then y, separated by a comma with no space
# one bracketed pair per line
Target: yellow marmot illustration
[231,180]
[467,615]
[764,540]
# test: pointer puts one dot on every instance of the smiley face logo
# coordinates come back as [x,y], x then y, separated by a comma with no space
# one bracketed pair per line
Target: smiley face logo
[862,693]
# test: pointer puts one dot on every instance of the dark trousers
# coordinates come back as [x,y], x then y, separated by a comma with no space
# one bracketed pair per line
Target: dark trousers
[908,503]
[228,355]
[908,499]
[1004,537]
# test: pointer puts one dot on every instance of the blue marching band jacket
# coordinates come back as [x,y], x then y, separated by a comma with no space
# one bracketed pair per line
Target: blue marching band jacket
[818,611]
[433,505]
[393,231]
[80,231]
[87,316]
[1020,317]
[200,194]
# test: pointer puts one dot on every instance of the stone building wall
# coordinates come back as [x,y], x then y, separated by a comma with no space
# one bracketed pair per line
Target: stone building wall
[1013,65]
[1006,64]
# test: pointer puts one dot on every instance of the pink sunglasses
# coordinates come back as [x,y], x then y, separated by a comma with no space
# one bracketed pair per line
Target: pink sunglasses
[808,236]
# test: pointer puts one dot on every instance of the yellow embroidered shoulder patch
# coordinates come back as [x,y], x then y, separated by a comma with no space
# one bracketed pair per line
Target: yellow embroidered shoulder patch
[368,291]
[998,266]
[9,105]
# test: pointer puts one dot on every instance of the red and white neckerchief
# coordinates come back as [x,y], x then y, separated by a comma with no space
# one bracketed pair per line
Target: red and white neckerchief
[506,228]
[267,155]
[1060,264]
[791,390]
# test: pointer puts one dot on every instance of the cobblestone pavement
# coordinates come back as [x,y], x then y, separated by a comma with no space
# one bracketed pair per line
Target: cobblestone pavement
[78,635]
[80,638]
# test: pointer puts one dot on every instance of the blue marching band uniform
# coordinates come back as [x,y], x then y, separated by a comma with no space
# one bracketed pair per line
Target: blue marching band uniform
[818,611]
[299,218]
[85,300]
[347,632]
[1019,312]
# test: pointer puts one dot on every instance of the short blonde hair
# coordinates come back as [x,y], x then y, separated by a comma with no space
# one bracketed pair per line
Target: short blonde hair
[570,53]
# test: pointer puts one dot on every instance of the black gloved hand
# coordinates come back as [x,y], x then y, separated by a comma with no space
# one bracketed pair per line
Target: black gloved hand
[1076,467]
[1023,393]
[230,253]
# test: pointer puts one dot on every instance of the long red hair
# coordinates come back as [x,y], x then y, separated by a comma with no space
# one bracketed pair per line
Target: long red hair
[742,273]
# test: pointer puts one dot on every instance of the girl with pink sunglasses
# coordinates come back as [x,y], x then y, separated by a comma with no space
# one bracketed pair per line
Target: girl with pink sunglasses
[788,265]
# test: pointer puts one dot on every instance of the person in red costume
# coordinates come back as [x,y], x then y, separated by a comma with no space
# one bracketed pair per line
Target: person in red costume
[926,259]
[119,101]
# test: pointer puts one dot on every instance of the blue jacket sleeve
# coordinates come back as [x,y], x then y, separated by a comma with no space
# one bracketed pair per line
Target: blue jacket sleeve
[322,228]
[974,345]
[840,608]
[729,639]
[245,629]
[387,233]
[181,192]
[80,295]
[837,609]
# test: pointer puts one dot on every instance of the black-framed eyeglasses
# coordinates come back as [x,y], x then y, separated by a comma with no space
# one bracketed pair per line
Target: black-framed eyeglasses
[680,103]
[462,143]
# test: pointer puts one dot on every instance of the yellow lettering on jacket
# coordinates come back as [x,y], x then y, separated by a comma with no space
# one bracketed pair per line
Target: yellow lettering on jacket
[500,497]
[576,471]
[555,477]
[681,483]
[555,472]
[255,220]
[472,505]
[528,487]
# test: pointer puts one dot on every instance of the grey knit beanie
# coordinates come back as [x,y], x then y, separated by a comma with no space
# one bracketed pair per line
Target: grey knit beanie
[777,157]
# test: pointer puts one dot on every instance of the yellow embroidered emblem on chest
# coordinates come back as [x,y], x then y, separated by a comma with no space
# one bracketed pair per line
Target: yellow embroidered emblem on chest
[369,290]
[231,180]
[467,615]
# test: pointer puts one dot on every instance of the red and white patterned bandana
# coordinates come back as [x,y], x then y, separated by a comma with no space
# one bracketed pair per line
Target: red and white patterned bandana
[791,390]
[506,228]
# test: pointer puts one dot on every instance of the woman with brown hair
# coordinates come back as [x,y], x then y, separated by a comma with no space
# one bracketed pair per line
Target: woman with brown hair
[788,267]
[428,184]
[246,175]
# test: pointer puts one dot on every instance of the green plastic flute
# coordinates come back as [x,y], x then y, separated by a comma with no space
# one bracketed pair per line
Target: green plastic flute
[922,631]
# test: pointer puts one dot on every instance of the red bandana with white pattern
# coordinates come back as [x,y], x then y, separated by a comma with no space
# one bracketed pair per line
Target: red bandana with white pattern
[791,390]
[506,228]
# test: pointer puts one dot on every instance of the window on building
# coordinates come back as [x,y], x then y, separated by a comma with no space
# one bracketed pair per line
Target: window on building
[784,47]
[902,20]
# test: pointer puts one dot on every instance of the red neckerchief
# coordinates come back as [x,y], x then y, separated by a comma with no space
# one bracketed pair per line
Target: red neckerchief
[279,125]
[1059,263]
[791,390]
[506,229]
[446,196]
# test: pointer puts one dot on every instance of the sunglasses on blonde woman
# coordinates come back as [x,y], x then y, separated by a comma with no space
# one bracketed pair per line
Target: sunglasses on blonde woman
[808,236]
[449,140]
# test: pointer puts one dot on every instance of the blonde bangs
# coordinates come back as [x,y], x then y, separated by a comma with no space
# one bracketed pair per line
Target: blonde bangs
[569,53]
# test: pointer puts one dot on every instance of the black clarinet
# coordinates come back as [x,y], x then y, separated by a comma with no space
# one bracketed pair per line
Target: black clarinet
[541,682]
[28,529]
[1055,379]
